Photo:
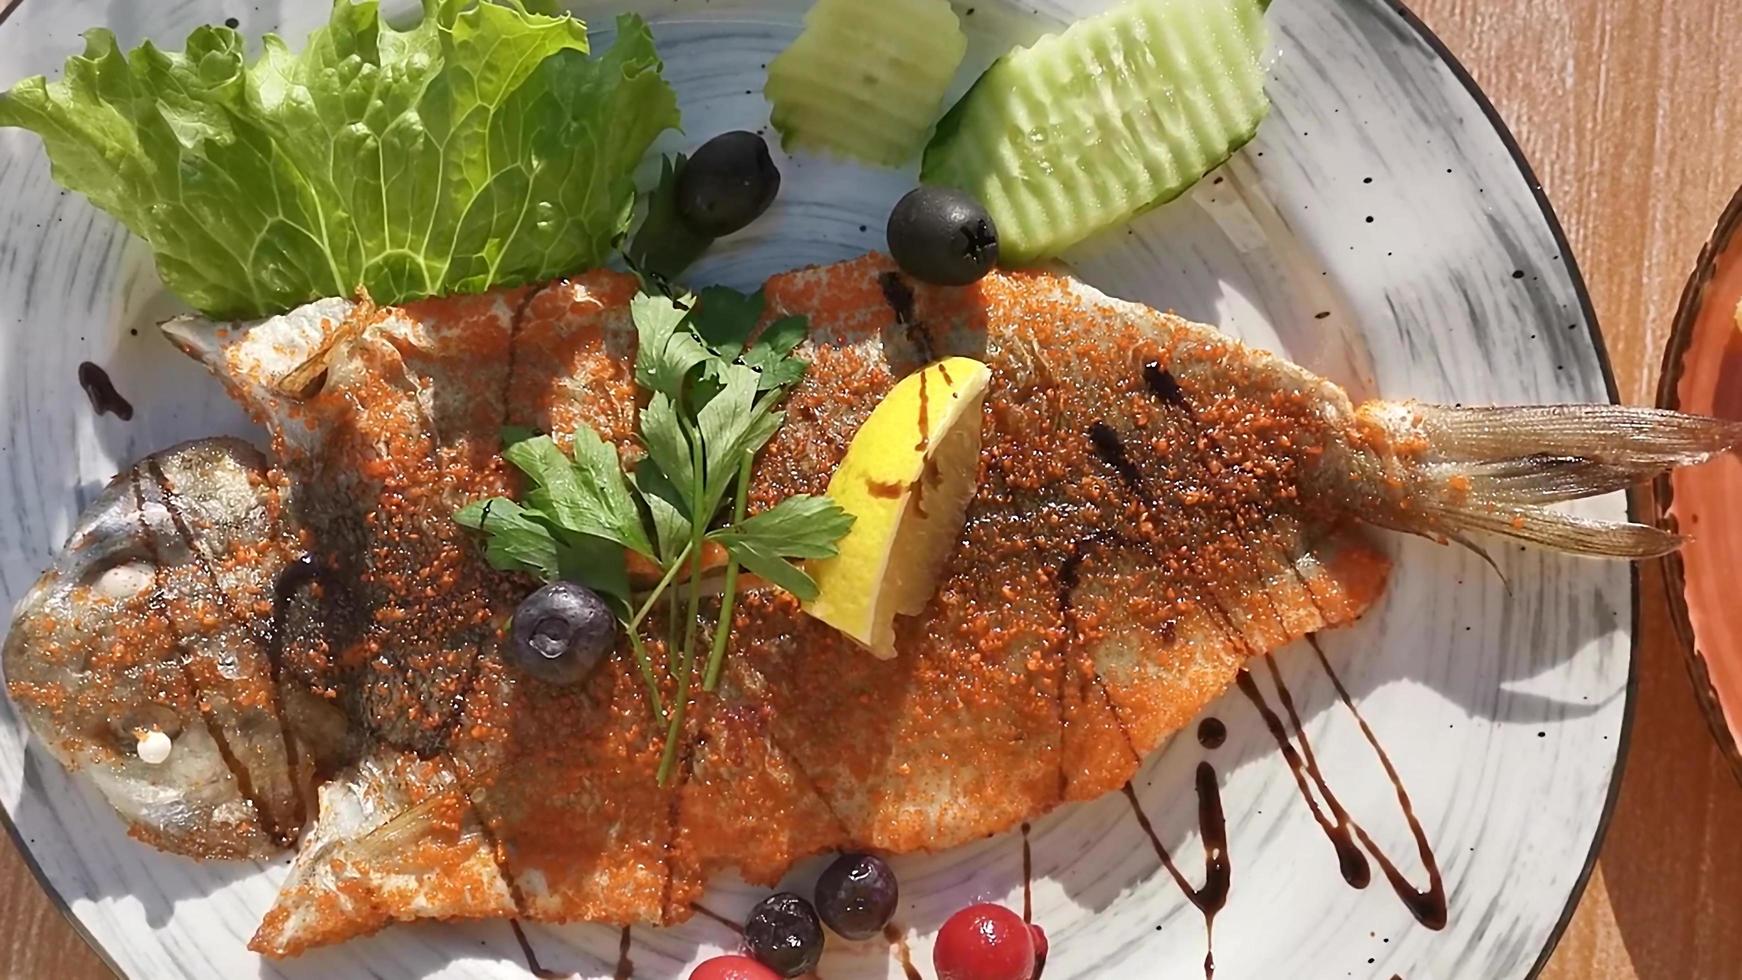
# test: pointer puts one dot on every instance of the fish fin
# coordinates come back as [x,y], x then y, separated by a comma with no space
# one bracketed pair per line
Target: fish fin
[395,841]
[1496,470]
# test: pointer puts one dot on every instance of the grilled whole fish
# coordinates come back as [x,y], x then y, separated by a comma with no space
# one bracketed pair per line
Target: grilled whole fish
[1156,504]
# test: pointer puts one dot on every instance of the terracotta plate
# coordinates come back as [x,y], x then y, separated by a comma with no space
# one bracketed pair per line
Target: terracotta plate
[1702,373]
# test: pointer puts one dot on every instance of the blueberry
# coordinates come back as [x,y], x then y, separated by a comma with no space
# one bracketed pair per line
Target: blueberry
[857,895]
[942,236]
[727,183]
[561,631]
[784,933]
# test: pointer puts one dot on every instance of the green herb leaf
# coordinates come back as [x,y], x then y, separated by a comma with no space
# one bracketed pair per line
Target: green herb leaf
[668,446]
[516,542]
[666,348]
[586,496]
[783,335]
[711,409]
[667,507]
[480,148]
[512,434]
[556,486]
[664,246]
[797,527]
[724,318]
[731,425]
[773,569]
[608,491]
[599,565]
[771,352]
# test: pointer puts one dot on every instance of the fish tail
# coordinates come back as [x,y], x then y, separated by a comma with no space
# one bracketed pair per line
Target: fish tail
[1445,472]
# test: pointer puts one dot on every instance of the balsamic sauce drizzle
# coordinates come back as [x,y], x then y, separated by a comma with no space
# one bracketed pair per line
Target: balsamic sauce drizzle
[1347,836]
[625,966]
[1218,872]
[532,965]
[1111,449]
[896,937]
[1162,384]
[303,570]
[924,442]
[1212,733]
[105,400]
[1027,877]
[899,295]
[705,912]
[1427,905]
[1350,861]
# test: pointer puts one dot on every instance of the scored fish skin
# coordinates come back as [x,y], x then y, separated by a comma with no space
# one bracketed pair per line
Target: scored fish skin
[1113,573]
[402,431]
[151,618]
[1156,504]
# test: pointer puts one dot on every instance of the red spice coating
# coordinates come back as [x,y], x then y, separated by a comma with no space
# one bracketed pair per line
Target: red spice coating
[1095,603]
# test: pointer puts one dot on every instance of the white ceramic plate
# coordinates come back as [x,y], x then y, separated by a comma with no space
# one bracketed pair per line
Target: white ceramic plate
[1382,230]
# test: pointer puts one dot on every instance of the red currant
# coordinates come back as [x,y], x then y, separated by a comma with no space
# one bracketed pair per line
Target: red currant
[732,968]
[1041,946]
[984,942]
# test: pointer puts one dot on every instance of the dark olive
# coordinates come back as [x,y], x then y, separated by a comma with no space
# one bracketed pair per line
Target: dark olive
[784,934]
[857,895]
[727,184]
[561,631]
[943,236]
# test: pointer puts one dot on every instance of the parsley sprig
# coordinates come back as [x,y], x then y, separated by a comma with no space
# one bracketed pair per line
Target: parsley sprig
[713,392]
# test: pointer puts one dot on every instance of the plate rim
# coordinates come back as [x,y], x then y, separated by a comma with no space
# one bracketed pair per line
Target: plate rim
[1725,232]
[1636,508]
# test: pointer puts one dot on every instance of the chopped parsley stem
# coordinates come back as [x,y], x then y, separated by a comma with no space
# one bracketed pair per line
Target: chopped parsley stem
[659,590]
[673,622]
[723,628]
[646,667]
[687,659]
[633,628]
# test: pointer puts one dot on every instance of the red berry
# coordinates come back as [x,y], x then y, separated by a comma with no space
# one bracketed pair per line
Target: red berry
[732,968]
[1040,949]
[984,942]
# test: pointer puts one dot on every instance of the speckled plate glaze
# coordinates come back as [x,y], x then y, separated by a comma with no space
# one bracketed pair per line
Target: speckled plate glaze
[1382,230]
[1702,372]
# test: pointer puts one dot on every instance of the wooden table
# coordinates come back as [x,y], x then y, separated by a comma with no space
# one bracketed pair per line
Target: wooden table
[1621,107]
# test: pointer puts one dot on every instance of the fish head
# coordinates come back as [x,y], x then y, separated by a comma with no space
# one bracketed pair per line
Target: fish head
[141,657]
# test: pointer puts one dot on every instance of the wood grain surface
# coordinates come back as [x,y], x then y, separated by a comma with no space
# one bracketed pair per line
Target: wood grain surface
[1622,107]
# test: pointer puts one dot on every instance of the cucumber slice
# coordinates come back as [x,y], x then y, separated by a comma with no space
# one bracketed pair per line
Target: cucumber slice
[865,78]
[1120,113]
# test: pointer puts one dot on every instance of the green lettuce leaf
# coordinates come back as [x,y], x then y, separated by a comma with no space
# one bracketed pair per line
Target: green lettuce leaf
[480,148]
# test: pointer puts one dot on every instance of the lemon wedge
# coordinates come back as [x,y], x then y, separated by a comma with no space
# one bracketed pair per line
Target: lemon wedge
[906,479]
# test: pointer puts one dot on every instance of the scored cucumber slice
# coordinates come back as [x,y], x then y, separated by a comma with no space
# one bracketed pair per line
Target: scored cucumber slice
[1121,112]
[865,78]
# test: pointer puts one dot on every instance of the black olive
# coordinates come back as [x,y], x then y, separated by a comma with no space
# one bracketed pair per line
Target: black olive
[857,895]
[943,236]
[783,932]
[561,631]
[727,184]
